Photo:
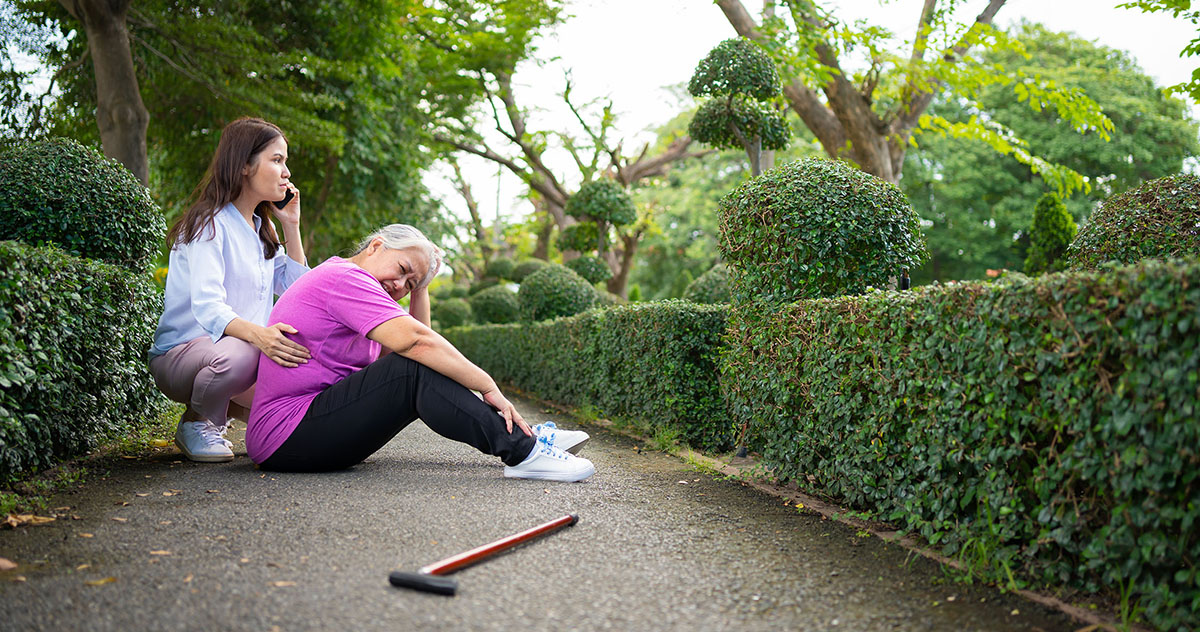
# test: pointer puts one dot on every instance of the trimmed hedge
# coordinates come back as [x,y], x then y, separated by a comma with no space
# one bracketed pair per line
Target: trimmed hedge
[73,340]
[451,312]
[1049,427]
[655,363]
[496,305]
[1160,219]
[554,291]
[58,191]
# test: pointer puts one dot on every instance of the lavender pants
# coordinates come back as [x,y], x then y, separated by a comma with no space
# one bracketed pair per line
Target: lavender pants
[207,376]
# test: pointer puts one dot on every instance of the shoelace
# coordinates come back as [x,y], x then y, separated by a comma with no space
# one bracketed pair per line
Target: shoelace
[212,435]
[546,445]
[546,430]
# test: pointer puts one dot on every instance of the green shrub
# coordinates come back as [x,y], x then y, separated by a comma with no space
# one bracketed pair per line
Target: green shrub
[591,268]
[526,268]
[712,287]
[1052,230]
[602,200]
[482,284]
[451,312]
[73,339]
[496,305]
[815,228]
[1159,219]
[584,237]
[554,291]
[652,363]
[500,268]
[58,191]
[1045,426]
[605,299]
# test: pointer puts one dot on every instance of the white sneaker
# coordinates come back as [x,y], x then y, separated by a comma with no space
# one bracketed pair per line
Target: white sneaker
[569,440]
[202,441]
[548,463]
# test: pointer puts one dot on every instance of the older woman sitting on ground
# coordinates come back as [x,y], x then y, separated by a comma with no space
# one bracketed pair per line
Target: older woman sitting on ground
[376,368]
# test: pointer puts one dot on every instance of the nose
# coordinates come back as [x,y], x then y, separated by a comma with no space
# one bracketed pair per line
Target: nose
[286,173]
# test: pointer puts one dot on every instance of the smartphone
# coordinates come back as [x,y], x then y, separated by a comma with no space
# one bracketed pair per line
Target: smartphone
[284,202]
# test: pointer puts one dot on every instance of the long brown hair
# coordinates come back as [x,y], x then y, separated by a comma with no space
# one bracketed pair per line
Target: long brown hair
[241,141]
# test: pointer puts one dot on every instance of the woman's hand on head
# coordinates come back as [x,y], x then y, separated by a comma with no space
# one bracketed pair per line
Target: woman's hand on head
[496,400]
[289,214]
[285,352]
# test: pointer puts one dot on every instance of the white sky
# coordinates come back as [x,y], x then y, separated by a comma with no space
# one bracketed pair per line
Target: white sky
[629,50]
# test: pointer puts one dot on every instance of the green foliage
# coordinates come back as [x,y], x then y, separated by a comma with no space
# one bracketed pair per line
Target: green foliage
[526,268]
[58,191]
[1178,9]
[496,305]
[974,201]
[73,340]
[635,293]
[584,237]
[655,363]
[712,123]
[1159,219]
[451,312]
[554,291]
[602,200]
[735,66]
[816,228]
[1049,235]
[1052,420]
[482,284]
[712,287]
[500,268]
[591,268]
[605,299]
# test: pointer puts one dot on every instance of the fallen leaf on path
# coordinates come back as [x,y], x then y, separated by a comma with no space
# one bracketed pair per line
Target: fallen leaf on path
[212,491]
[283,584]
[18,578]
[683,482]
[61,509]
[188,579]
[75,517]
[120,519]
[164,522]
[121,503]
[82,566]
[101,582]
[86,535]
[7,564]
[17,520]
[245,560]
[128,457]
[170,493]
[951,598]
[1015,612]
[160,552]
[159,443]
[141,495]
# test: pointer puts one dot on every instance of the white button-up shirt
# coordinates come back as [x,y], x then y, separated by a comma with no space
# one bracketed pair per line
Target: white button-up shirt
[219,276]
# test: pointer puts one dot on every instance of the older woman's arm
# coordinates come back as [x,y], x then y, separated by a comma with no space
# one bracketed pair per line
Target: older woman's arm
[418,305]
[416,341]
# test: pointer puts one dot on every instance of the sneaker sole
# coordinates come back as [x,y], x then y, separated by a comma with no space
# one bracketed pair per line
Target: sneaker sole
[560,477]
[203,458]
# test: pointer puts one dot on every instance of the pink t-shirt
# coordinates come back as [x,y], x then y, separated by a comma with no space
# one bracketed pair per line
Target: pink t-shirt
[332,307]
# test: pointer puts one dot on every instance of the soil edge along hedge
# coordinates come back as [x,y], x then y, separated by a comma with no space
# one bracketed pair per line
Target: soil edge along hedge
[653,364]
[1045,428]
[73,339]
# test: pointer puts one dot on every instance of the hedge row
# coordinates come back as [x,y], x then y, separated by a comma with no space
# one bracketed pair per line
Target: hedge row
[1049,428]
[653,362]
[73,340]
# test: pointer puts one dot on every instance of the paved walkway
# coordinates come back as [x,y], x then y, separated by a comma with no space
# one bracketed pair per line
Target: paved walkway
[659,546]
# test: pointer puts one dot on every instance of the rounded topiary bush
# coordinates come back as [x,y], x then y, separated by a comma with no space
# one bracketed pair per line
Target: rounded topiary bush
[1052,230]
[712,287]
[602,200]
[815,228]
[451,312]
[554,291]
[591,268]
[526,268]
[56,190]
[482,284]
[583,237]
[496,305]
[501,268]
[1159,219]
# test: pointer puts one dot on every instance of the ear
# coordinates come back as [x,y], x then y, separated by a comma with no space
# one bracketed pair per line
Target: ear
[376,245]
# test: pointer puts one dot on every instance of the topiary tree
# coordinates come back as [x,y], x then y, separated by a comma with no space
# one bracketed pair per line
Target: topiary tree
[712,287]
[526,268]
[582,237]
[1159,219]
[741,81]
[496,305]
[590,268]
[816,227]
[500,268]
[451,312]
[56,190]
[1052,230]
[554,291]
[598,205]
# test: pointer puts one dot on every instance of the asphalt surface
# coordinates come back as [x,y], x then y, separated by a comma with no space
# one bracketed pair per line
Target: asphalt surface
[165,544]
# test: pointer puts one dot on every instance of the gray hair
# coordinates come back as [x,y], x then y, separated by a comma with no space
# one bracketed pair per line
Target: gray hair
[402,236]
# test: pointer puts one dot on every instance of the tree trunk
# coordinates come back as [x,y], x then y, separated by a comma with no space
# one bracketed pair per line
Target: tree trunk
[617,284]
[120,113]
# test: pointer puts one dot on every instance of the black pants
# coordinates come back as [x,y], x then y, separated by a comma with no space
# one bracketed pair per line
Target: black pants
[353,418]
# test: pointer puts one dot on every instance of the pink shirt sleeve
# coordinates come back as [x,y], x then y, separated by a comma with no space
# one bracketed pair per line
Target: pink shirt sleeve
[358,301]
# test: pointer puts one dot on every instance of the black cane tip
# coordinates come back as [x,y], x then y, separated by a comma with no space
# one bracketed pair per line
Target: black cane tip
[424,583]
[574,519]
